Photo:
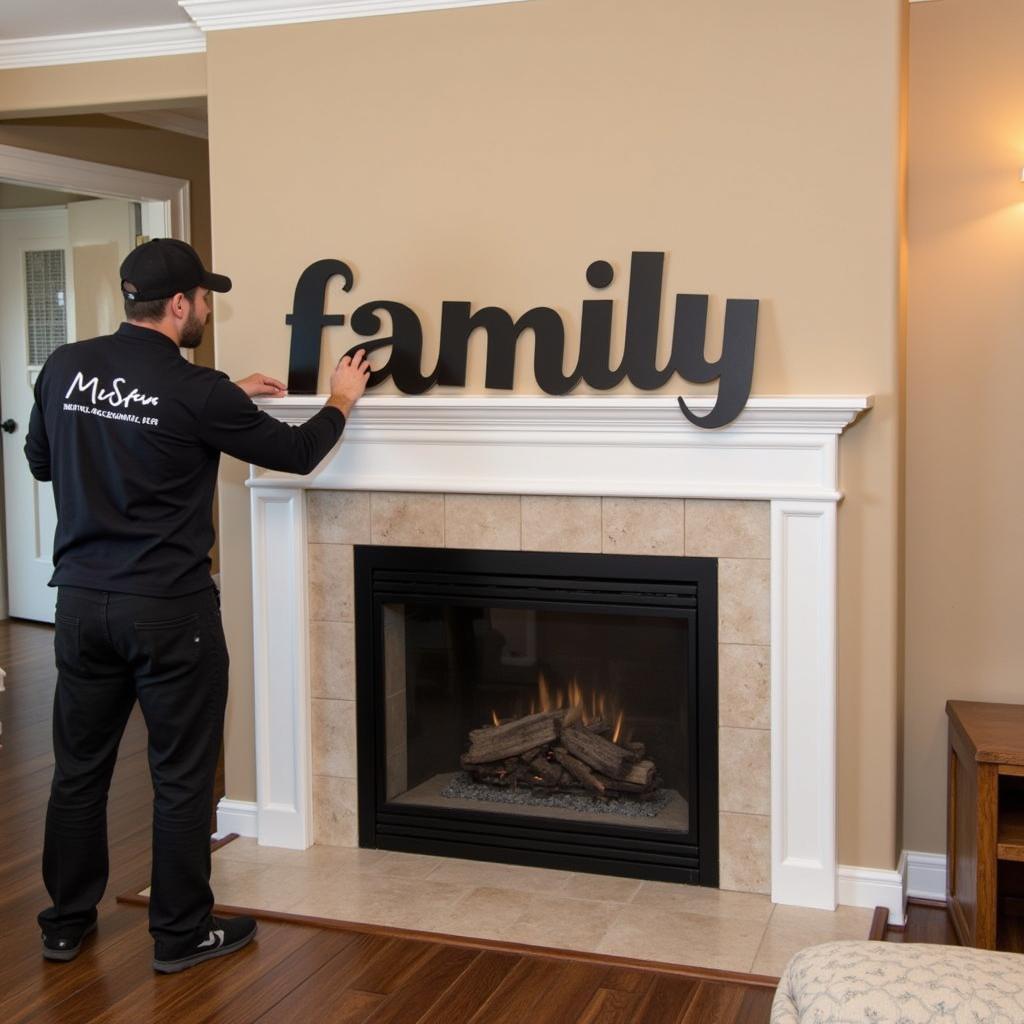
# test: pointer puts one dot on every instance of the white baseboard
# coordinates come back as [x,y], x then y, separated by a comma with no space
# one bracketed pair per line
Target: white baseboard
[238,816]
[926,875]
[872,887]
[918,875]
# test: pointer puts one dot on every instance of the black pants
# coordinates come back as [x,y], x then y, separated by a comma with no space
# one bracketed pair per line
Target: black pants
[170,654]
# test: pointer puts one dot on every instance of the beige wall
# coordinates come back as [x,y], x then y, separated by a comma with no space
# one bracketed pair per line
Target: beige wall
[105,85]
[490,154]
[965,489]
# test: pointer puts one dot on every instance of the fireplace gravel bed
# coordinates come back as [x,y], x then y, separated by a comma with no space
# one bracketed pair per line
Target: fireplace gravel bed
[462,787]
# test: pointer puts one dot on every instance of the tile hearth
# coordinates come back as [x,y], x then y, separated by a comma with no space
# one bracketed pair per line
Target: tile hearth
[669,923]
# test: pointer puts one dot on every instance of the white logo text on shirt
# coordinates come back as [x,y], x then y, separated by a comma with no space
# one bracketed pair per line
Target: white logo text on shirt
[116,398]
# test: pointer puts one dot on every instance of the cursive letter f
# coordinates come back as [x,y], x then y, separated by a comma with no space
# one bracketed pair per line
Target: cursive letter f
[308,320]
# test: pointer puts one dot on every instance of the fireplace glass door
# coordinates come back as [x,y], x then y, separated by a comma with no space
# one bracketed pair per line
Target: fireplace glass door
[565,714]
[538,708]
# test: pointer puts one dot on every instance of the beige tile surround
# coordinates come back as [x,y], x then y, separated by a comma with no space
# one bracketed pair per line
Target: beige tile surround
[735,532]
[668,923]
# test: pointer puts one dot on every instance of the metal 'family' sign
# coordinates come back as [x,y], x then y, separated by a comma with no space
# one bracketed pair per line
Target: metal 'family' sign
[733,369]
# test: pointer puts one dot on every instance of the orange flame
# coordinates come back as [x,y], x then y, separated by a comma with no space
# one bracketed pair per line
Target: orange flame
[594,705]
[544,693]
[618,727]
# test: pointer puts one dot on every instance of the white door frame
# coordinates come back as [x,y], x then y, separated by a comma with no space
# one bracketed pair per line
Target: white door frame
[166,208]
[27,167]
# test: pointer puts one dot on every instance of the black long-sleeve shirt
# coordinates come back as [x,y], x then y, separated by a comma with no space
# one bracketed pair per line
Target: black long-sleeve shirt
[131,435]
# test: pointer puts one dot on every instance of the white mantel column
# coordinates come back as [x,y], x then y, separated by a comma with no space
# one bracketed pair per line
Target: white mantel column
[280,621]
[803,703]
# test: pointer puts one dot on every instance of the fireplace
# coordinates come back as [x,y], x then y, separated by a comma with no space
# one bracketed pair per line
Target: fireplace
[581,474]
[548,709]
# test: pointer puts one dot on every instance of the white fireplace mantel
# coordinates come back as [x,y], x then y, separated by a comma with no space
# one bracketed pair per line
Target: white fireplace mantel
[617,446]
[782,450]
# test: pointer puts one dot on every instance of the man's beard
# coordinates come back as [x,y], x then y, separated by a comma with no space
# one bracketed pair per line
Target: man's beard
[192,332]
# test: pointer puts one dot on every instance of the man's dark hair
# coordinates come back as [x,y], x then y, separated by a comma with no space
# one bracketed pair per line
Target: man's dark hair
[152,310]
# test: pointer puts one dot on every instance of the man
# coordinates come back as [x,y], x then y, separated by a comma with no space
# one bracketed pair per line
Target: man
[130,433]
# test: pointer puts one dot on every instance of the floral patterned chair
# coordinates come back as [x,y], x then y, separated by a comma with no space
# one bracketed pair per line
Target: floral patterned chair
[890,983]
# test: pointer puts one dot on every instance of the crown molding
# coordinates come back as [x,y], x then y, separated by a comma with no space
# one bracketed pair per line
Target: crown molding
[207,15]
[212,15]
[117,44]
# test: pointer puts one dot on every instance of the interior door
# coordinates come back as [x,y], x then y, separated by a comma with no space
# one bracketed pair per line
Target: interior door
[36,314]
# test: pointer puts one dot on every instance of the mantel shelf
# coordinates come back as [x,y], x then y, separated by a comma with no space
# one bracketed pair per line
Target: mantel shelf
[615,446]
[796,413]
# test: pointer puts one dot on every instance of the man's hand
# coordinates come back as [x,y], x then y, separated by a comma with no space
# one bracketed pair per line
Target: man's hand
[260,384]
[348,381]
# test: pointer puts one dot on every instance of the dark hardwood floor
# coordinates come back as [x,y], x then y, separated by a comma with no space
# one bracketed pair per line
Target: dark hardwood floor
[926,922]
[292,972]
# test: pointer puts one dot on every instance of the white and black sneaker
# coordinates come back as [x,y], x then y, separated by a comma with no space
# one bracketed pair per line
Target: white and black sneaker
[224,935]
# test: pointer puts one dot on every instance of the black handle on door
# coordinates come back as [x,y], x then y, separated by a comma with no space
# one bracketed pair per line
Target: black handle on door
[8,426]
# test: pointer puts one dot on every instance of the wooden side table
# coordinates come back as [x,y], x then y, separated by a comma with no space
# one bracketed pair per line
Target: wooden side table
[985,824]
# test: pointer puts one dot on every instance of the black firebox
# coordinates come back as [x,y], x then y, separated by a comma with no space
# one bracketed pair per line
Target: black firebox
[553,710]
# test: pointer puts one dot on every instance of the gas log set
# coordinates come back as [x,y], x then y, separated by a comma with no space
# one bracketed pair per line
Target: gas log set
[559,751]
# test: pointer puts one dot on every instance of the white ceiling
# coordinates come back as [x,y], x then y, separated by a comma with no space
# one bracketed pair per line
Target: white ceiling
[24,18]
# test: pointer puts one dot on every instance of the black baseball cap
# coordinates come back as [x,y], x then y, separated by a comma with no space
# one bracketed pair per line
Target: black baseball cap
[162,267]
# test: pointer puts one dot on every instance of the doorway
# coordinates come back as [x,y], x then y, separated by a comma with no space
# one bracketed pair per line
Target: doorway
[65,226]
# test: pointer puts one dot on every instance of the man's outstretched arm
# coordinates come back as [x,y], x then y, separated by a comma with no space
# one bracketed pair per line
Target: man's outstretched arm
[233,424]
